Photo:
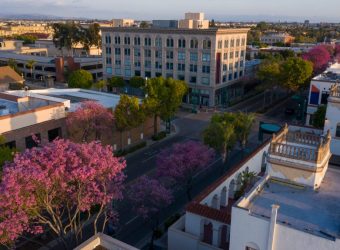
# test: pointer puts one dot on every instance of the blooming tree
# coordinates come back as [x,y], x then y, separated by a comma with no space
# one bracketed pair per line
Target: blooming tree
[319,56]
[337,52]
[57,186]
[149,197]
[180,163]
[90,120]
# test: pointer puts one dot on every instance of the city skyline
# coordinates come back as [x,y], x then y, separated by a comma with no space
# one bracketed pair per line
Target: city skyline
[232,10]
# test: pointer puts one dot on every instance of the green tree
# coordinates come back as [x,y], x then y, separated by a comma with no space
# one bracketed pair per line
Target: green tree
[243,125]
[91,36]
[116,82]
[295,73]
[319,117]
[14,65]
[30,64]
[220,135]
[99,85]
[137,82]
[66,35]
[164,96]
[80,79]
[6,153]
[247,178]
[144,24]
[270,74]
[129,114]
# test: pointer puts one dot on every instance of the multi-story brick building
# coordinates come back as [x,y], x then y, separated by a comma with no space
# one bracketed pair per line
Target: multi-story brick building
[210,60]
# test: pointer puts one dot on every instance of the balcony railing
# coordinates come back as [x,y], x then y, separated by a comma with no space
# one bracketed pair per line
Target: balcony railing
[291,145]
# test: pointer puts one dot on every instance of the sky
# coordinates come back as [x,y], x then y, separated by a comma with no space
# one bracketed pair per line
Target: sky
[223,10]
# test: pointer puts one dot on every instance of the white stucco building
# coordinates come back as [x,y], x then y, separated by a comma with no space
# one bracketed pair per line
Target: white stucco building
[293,203]
[319,90]
[332,120]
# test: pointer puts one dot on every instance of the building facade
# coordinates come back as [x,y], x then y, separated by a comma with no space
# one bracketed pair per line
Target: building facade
[209,60]
[319,90]
[276,37]
[291,184]
[332,120]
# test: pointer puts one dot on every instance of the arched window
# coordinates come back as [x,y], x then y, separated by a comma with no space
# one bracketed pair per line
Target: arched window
[215,203]
[337,132]
[181,43]
[147,41]
[117,39]
[127,40]
[231,189]
[137,40]
[194,43]
[224,198]
[206,231]
[206,44]
[158,42]
[252,246]
[170,42]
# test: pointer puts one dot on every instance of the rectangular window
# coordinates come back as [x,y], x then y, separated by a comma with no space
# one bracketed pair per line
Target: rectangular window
[337,132]
[53,134]
[230,66]
[158,65]
[118,71]
[235,75]
[224,67]
[137,52]
[181,55]
[169,54]
[206,69]
[31,143]
[226,43]
[242,53]
[169,66]
[193,68]
[205,81]
[147,41]
[206,57]
[193,57]
[230,77]
[193,79]
[117,51]
[147,53]
[181,77]
[117,39]
[137,40]
[147,64]
[127,72]
[158,54]
[181,67]
[137,64]
[231,55]
[236,65]
[108,60]
[225,56]
[232,43]
[118,62]
[237,54]
[108,50]
[219,44]
[158,42]
[109,70]
[241,63]
[107,39]
[237,42]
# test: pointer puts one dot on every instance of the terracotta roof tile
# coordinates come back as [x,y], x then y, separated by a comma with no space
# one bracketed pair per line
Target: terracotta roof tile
[8,75]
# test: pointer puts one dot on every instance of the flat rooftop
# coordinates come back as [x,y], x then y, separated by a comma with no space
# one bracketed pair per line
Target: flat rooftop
[332,74]
[316,212]
[11,106]
[75,96]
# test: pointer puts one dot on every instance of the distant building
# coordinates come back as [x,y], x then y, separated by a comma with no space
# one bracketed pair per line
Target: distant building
[332,120]
[39,28]
[276,37]
[9,79]
[165,24]
[52,67]
[210,60]
[194,21]
[102,241]
[122,22]
[71,99]
[319,90]
[290,203]
[22,116]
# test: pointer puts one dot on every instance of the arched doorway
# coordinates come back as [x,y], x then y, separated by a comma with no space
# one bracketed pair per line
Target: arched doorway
[224,237]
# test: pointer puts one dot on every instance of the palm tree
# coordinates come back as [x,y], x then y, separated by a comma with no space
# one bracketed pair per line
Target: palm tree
[30,64]
[221,137]
[243,125]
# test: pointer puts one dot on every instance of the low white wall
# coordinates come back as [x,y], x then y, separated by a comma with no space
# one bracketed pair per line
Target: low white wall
[246,228]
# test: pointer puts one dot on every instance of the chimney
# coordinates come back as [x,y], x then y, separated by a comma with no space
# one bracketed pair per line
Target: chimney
[272,227]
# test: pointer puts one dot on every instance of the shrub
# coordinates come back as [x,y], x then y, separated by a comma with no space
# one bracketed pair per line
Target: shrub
[159,136]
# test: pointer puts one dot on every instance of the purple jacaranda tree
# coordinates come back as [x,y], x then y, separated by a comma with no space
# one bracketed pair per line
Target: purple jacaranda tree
[57,186]
[319,56]
[149,197]
[179,164]
[88,121]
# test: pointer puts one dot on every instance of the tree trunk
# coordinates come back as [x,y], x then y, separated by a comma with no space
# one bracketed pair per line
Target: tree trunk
[155,125]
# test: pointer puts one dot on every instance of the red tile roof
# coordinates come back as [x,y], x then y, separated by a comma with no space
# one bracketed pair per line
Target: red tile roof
[215,214]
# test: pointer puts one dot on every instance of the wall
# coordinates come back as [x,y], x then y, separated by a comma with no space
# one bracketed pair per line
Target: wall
[332,119]
[31,117]
[289,238]
[246,228]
